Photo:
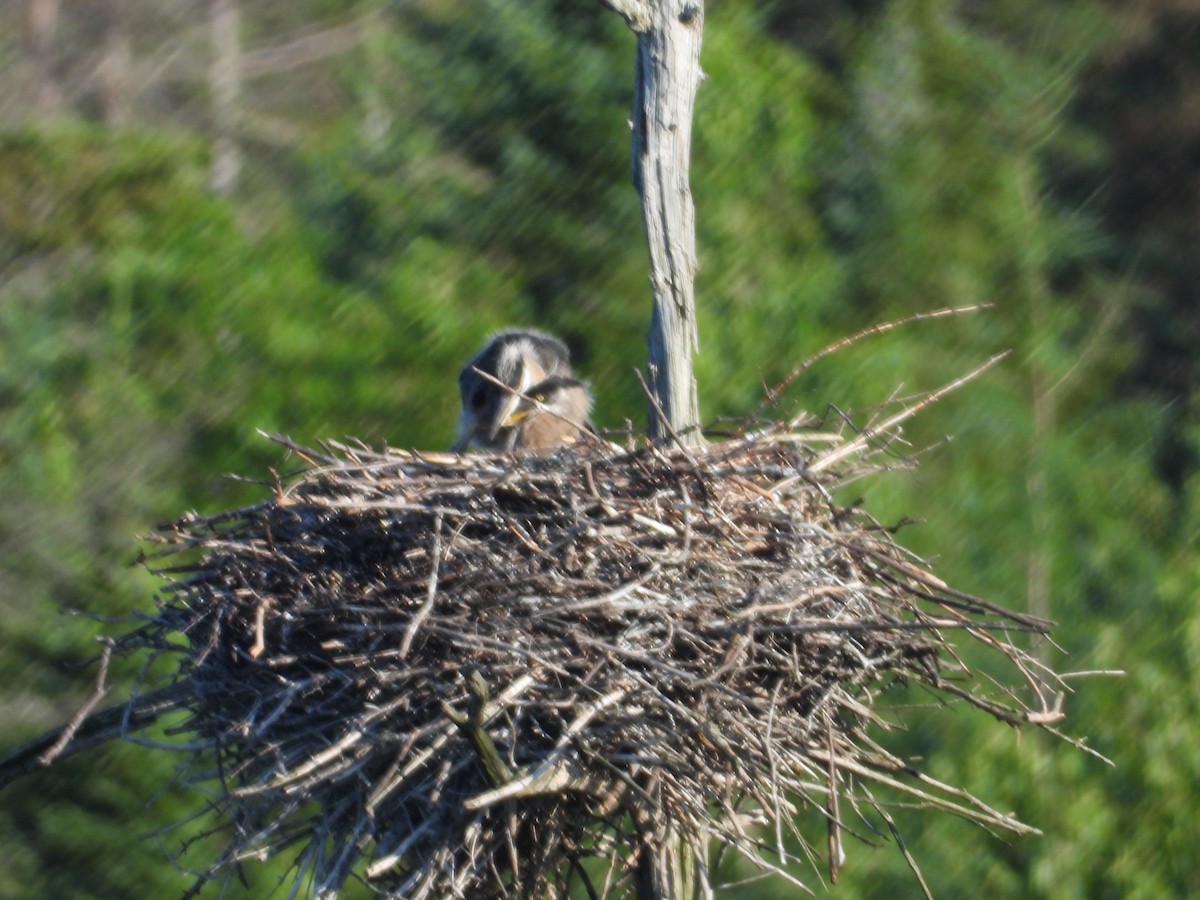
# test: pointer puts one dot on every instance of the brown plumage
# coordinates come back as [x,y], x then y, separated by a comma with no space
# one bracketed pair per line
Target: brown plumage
[550,415]
[498,386]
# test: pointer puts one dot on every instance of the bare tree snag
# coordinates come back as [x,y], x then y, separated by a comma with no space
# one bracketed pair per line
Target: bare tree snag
[113,75]
[667,76]
[225,78]
[41,21]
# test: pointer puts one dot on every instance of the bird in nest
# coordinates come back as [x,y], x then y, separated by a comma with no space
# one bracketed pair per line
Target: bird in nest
[518,394]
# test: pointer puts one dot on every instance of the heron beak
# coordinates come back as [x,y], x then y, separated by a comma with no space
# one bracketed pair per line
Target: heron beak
[507,415]
[514,417]
[509,412]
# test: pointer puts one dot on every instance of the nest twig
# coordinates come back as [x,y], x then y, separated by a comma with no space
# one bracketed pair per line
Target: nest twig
[478,676]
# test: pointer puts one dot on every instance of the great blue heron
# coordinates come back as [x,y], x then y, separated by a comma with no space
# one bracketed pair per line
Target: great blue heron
[518,394]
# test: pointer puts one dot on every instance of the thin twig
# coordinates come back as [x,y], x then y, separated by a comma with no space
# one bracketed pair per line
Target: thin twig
[98,694]
[772,394]
[435,561]
[860,441]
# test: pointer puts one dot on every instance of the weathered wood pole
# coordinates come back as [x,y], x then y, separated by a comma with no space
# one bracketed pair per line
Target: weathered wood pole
[667,76]
[41,21]
[225,81]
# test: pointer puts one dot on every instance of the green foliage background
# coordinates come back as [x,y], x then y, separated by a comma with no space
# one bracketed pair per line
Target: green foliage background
[465,168]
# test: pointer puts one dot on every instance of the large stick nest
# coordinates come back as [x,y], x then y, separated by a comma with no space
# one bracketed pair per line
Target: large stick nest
[678,646]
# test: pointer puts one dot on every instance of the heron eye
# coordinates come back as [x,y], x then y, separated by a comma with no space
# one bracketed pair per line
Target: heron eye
[540,398]
[478,398]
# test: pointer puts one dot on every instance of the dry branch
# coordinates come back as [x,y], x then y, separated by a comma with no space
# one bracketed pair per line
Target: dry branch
[666,78]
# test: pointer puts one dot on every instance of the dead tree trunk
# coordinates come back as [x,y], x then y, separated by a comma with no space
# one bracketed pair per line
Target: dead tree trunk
[667,77]
[113,75]
[41,20]
[668,74]
[225,78]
